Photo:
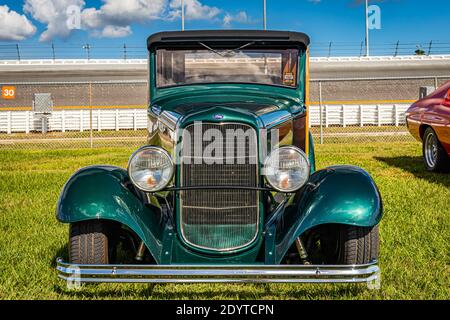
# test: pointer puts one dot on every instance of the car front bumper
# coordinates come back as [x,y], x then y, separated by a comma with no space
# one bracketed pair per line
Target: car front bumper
[77,273]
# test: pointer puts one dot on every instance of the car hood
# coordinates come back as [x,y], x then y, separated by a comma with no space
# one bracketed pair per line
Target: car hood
[261,108]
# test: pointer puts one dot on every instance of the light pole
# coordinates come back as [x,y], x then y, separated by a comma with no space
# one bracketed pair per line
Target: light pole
[182,15]
[87,47]
[367,28]
[264,15]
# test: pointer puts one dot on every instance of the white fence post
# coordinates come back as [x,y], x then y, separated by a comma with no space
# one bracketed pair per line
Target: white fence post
[81,121]
[320,112]
[396,115]
[361,117]
[91,120]
[8,122]
[379,115]
[117,119]
[27,121]
[63,120]
[99,121]
[344,122]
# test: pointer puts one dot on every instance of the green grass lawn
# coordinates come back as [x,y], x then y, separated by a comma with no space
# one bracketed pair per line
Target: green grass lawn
[414,231]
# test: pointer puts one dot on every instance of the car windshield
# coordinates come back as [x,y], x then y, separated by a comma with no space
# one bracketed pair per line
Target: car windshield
[212,65]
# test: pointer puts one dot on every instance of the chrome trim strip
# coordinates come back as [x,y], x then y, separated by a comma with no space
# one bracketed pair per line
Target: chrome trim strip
[169,119]
[218,273]
[223,208]
[276,118]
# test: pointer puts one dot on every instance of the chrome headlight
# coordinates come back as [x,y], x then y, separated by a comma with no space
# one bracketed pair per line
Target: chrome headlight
[287,169]
[150,168]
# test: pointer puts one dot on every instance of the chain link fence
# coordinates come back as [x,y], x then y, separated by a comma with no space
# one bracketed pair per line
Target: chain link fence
[365,110]
[111,114]
[84,114]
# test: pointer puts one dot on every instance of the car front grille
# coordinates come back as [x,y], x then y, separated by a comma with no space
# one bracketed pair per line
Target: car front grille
[226,218]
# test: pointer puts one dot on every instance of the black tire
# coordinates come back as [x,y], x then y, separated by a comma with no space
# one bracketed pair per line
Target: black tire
[435,157]
[343,244]
[88,242]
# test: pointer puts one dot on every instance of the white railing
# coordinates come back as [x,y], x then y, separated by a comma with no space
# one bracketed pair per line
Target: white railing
[382,58]
[73,62]
[74,120]
[135,119]
[358,115]
[232,60]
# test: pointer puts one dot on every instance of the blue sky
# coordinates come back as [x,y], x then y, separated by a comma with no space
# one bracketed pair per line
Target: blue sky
[114,22]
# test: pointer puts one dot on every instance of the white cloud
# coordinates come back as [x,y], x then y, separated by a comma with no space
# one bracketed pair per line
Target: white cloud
[14,26]
[91,18]
[114,32]
[112,19]
[193,10]
[53,13]
[240,17]
[122,12]
[115,17]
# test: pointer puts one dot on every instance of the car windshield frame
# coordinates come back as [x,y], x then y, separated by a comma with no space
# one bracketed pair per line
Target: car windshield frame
[291,55]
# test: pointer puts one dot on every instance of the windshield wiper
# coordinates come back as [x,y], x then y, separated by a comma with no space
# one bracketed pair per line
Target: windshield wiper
[227,53]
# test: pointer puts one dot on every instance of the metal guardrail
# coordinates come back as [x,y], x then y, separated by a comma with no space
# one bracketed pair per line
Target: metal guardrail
[43,83]
[72,61]
[144,61]
[380,78]
[381,58]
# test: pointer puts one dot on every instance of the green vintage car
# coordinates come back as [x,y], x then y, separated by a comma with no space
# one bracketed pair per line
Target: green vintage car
[226,188]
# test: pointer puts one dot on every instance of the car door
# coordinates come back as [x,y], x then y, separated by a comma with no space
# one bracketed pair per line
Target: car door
[442,112]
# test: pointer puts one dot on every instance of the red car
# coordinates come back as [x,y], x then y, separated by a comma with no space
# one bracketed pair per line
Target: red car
[428,120]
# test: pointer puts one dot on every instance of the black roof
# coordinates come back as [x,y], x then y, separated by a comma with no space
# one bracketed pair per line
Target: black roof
[181,37]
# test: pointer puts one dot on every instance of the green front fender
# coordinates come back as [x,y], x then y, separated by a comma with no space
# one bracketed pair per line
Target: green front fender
[104,192]
[338,194]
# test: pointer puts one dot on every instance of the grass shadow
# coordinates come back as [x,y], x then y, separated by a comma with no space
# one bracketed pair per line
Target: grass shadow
[92,291]
[62,252]
[228,291]
[415,166]
[188,291]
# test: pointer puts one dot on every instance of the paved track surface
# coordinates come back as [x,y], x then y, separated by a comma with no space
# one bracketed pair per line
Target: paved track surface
[104,70]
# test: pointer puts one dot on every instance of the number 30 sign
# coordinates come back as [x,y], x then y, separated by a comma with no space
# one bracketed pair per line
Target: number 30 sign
[8,92]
